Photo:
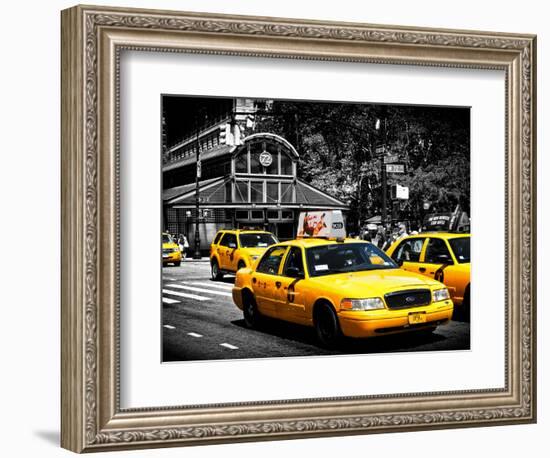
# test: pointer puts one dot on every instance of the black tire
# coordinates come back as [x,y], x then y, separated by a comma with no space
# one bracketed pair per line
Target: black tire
[177,264]
[327,326]
[252,316]
[462,312]
[241,265]
[216,273]
[466,305]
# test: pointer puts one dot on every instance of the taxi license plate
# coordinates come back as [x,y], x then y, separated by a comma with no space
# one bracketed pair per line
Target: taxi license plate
[417,318]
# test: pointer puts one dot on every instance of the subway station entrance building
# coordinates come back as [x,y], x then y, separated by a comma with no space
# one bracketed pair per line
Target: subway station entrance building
[253,185]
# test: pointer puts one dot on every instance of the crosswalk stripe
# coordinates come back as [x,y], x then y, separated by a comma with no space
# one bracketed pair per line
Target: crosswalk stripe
[231,347]
[167,300]
[194,334]
[200,290]
[167,326]
[188,296]
[211,284]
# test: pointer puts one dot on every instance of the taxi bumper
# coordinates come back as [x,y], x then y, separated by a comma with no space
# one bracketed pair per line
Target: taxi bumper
[175,256]
[237,296]
[375,323]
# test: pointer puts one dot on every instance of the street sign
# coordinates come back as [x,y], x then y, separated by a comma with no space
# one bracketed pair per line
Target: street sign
[380,149]
[399,192]
[390,158]
[395,168]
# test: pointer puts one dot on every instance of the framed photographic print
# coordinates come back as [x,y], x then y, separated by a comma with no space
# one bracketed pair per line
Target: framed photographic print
[278,228]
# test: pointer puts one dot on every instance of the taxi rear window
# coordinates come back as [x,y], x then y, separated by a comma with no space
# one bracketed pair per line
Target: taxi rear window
[217,238]
[257,240]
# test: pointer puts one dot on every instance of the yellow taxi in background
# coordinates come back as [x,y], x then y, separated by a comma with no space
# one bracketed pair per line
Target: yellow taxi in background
[444,256]
[343,287]
[232,250]
[171,253]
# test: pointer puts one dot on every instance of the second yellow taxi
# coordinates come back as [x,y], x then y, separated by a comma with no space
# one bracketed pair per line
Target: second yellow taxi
[170,251]
[233,249]
[341,287]
[444,256]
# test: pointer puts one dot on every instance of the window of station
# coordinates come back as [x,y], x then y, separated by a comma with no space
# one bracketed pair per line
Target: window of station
[241,214]
[286,164]
[287,214]
[272,214]
[241,162]
[255,151]
[257,214]
[273,167]
[286,193]
[276,159]
[256,191]
[272,192]
[241,191]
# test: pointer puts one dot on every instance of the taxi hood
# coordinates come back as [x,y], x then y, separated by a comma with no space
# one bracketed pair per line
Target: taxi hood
[376,282]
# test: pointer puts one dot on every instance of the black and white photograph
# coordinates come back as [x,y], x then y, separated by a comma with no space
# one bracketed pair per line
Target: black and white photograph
[310,228]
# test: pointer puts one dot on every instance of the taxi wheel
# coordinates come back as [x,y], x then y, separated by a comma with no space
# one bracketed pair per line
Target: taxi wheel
[252,317]
[462,312]
[241,265]
[217,274]
[177,264]
[327,326]
[466,306]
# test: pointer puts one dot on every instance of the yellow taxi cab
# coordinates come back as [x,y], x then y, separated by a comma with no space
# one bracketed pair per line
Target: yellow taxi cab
[444,256]
[341,287]
[171,253]
[235,249]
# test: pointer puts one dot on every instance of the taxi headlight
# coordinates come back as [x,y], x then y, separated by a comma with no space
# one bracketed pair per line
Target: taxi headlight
[440,295]
[175,250]
[372,303]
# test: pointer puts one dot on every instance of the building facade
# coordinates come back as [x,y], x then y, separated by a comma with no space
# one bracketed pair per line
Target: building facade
[247,181]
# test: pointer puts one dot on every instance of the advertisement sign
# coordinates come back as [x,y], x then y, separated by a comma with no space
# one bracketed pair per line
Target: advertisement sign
[329,224]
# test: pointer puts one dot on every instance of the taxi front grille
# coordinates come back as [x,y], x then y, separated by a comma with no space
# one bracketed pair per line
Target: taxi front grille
[408,299]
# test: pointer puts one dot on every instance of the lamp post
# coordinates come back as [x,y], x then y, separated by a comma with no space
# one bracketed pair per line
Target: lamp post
[383,168]
[197,252]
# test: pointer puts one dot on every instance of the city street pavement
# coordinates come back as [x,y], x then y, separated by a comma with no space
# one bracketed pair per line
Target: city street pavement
[201,322]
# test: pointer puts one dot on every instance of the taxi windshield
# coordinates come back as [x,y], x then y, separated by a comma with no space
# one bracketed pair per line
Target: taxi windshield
[346,257]
[461,249]
[166,238]
[257,240]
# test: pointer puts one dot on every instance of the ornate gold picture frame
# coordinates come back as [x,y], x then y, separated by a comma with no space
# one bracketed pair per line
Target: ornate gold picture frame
[92,41]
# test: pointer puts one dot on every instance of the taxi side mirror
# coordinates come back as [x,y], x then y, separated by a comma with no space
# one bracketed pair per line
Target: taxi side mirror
[294,272]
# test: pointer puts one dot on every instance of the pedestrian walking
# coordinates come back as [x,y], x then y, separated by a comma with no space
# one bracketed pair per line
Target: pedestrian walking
[183,244]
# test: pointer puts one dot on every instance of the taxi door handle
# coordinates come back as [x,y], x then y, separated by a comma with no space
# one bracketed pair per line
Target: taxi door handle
[253,279]
[278,284]
[422,269]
